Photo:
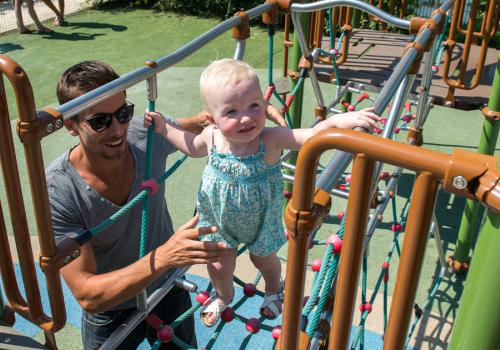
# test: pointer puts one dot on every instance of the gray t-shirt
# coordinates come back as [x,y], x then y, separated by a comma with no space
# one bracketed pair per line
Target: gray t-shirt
[77,207]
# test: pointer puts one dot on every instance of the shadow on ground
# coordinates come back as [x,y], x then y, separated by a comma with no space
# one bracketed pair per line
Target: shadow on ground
[9,47]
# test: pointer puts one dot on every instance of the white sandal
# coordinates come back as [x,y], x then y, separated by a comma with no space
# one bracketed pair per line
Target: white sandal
[212,306]
[270,301]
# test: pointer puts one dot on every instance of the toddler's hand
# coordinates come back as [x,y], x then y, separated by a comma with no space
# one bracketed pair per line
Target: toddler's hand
[157,119]
[364,118]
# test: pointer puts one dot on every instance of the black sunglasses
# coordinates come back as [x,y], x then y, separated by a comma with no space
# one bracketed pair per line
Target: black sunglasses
[101,121]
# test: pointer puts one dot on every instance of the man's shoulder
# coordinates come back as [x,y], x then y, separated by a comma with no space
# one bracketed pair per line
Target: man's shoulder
[57,167]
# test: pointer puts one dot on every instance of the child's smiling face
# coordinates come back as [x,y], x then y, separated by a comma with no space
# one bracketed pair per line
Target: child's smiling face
[238,110]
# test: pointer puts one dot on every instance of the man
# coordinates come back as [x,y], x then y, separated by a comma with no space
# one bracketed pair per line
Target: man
[89,183]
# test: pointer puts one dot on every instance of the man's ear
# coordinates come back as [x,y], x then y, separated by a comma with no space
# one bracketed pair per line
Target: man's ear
[69,124]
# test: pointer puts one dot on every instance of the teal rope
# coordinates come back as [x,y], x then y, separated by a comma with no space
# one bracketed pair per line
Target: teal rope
[109,221]
[140,196]
[318,282]
[385,305]
[182,344]
[440,40]
[341,38]
[185,315]
[147,175]
[270,57]
[332,272]
[363,300]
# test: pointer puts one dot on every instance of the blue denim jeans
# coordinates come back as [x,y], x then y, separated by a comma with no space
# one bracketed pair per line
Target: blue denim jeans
[96,328]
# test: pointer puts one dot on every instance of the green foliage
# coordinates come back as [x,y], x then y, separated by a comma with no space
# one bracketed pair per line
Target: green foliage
[211,8]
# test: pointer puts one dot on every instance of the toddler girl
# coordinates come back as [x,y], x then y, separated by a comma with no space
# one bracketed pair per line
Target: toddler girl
[241,191]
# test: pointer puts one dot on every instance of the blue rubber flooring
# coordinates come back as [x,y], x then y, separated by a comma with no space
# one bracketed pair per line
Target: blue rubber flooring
[232,335]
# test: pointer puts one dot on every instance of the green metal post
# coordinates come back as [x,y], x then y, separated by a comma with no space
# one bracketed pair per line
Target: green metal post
[478,319]
[296,107]
[356,18]
[487,145]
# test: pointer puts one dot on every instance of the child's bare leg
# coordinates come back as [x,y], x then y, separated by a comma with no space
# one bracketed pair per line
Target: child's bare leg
[19,16]
[270,267]
[221,276]
[34,16]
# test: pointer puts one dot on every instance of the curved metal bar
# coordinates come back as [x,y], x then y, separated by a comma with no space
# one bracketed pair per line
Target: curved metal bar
[239,51]
[32,309]
[135,77]
[301,214]
[370,9]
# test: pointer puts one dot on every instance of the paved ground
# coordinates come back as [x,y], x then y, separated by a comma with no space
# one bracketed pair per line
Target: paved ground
[8,18]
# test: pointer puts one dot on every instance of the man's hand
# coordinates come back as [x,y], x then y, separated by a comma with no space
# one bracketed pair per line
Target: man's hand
[183,248]
[274,115]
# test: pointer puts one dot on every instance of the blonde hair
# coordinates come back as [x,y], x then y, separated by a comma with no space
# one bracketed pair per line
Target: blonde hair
[224,72]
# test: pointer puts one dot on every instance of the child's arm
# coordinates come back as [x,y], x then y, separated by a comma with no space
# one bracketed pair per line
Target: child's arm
[284,138]
[187,142]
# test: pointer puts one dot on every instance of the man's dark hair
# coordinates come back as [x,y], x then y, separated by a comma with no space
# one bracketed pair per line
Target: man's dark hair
[82,78]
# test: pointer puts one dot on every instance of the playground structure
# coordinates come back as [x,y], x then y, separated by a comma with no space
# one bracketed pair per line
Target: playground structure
[463,173]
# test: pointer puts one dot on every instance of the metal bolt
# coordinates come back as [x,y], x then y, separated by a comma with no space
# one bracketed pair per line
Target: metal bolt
[459,182]
[50,128]
[59,123]
[67,260]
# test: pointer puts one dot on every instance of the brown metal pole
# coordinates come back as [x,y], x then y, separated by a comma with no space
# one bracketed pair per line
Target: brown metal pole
[358,207]
[299,218]
[412,256]
[18,219]
[478,173]
[32,134]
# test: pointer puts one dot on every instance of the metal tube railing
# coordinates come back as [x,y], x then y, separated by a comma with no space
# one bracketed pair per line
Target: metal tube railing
[370,9]
[301,215]
[32,308]
[135,77]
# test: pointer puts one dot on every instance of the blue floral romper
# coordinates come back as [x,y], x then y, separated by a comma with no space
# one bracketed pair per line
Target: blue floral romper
[243,197]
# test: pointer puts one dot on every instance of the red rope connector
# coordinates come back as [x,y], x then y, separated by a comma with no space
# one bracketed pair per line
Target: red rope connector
[288,103]
[385,265]
[150,184]
[396,227]
[154,321]
[269,92]
[348,106]
[408,107]
[365,307]
[406,118]
[362,97]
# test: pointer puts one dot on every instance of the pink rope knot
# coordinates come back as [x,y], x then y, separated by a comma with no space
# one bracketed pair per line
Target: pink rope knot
[150,184]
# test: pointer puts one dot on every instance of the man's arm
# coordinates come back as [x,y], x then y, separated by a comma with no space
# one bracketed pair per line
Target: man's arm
[195,123]
[97,293]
